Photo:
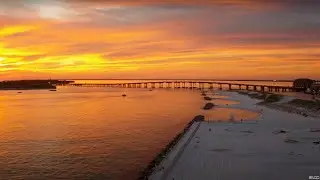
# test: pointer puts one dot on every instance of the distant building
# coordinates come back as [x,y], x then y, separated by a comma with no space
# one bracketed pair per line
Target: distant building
[302,84]
[315,87]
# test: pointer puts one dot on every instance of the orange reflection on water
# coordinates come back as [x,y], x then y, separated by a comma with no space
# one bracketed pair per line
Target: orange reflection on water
[223,114]
[76,128]
[96,111]
[224,102]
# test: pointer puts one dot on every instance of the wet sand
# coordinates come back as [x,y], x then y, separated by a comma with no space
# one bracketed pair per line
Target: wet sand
[224,101]
[222,114]
[277,145]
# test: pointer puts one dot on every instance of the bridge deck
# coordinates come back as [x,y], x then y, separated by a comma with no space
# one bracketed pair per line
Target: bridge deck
[189,84]
[183,83]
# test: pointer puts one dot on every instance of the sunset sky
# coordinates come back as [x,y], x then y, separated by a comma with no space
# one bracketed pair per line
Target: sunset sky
[230,39]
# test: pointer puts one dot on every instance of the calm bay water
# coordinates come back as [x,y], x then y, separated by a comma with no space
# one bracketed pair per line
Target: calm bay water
[88,133]
[93,133]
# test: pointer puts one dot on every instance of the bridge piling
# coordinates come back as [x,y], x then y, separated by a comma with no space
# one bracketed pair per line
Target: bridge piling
[210,86]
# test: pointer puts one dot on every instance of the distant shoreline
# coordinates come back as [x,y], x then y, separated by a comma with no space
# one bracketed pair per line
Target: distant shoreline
[25,89]
[31,84]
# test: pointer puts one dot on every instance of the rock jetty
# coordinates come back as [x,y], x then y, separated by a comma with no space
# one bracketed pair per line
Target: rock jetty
[157,160]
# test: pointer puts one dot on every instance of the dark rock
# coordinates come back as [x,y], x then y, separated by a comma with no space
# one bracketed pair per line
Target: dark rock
[248,131]
[316,142]
[280,132]
[198,118]
[291,141]
[208,106]
[314,130]
[294,154]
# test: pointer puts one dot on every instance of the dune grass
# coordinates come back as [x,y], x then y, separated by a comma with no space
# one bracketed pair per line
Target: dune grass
[267,97]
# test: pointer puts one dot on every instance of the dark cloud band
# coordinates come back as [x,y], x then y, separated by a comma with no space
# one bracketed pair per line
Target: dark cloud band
[199,2]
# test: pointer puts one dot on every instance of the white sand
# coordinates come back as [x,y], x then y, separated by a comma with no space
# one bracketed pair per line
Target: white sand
[248,150]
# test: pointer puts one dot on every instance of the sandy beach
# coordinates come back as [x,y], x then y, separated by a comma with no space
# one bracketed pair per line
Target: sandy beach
[277,145]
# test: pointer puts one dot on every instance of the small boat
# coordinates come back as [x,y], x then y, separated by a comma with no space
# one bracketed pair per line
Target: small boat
[52,90]
[150,89]
[124,95]
[19,92]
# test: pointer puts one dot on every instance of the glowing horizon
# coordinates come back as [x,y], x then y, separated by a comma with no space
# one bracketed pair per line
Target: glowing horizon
[62,39]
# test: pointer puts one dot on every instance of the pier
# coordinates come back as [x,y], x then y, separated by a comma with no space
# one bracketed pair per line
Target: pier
[191,85]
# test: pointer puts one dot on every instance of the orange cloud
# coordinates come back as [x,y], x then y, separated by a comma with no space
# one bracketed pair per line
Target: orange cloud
[160,42]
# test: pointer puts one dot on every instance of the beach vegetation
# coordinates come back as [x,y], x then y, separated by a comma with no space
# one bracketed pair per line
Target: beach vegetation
[270,98]
[258,95]
[305,103]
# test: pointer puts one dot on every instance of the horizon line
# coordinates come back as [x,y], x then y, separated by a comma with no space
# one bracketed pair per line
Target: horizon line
[279,80]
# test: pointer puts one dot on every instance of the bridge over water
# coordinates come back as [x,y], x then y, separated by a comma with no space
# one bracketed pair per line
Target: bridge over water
[189,85]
